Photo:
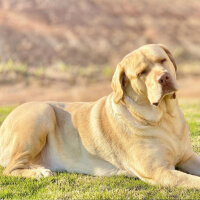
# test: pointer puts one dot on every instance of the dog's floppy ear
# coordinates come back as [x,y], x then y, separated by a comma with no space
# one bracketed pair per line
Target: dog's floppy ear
[169,55]
[118,82]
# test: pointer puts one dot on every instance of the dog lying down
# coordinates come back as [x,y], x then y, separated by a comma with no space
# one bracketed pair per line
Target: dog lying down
[137,130]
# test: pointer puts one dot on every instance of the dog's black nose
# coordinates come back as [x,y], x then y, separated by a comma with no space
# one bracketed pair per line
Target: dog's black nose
[164,79]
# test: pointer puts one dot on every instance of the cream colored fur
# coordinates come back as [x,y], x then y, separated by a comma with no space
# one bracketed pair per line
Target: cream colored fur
[123,133]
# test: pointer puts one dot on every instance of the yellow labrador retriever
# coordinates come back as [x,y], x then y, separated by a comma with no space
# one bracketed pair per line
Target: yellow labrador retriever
[138,130]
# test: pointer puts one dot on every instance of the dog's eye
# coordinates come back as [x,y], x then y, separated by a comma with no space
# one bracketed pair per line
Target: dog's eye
[142,72]
[163,60]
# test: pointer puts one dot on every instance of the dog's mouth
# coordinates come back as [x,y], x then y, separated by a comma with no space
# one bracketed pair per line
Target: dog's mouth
[167,90]
[171,96]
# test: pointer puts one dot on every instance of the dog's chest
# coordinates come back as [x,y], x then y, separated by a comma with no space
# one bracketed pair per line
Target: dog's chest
[175,135]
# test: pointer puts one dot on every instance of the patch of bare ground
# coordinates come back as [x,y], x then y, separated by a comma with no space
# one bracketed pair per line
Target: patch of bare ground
[17,93]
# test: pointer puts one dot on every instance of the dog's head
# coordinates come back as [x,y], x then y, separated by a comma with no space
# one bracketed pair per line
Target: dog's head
[148,72]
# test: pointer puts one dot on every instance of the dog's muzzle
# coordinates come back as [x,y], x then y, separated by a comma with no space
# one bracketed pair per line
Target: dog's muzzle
[168,85]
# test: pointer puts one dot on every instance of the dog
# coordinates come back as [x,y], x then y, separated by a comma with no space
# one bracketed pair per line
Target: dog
[138,130]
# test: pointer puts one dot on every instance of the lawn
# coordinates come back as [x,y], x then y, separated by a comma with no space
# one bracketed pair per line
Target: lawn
[76,186]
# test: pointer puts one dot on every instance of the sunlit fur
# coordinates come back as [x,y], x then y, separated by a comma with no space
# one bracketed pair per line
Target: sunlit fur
[122,133]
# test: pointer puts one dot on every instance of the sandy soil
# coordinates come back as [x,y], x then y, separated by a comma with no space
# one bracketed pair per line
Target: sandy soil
[189,87]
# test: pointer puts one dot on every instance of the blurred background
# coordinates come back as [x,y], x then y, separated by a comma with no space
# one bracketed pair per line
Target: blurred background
[67,50]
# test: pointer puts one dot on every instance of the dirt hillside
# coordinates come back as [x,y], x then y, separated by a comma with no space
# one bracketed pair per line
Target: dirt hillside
[85,32]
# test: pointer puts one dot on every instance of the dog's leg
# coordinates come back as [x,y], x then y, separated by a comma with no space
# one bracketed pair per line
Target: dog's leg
[169,177]
[29,139]
[25,154]
[164,176]
[160,172]
[30,172]
[192,165]
[21,165]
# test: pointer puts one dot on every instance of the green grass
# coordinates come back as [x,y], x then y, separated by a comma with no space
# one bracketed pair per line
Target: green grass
[77,186]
